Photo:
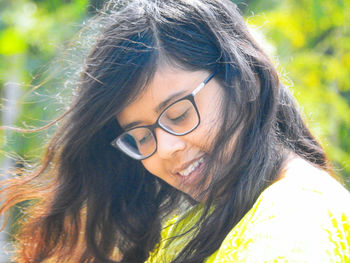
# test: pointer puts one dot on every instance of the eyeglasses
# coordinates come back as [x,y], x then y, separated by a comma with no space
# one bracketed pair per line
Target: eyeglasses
[179,118]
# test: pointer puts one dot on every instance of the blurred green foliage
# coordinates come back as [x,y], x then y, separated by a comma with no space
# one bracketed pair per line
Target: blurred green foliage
[312,51]
[307,39]
[33,36]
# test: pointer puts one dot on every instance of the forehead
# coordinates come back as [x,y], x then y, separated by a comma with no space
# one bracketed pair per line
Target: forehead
[167,82]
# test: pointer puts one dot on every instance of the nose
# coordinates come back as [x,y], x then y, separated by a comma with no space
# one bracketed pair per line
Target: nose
[168,145]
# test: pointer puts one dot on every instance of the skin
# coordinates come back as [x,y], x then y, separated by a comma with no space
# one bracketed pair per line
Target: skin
[176,153]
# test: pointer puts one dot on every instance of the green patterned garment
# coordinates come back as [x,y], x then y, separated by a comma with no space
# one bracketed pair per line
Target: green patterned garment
[303,217]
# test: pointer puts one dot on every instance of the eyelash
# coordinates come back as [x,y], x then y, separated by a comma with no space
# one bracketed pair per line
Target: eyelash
[144,138]
[181,117]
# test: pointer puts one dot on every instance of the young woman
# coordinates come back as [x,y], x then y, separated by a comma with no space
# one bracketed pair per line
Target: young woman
[181,146]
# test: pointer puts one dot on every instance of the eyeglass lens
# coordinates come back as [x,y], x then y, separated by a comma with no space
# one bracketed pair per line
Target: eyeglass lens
[179,119]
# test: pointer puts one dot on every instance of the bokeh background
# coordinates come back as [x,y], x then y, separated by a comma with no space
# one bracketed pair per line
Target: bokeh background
[42,43]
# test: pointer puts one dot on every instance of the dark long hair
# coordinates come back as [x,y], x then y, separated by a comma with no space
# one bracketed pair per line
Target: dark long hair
[94,195]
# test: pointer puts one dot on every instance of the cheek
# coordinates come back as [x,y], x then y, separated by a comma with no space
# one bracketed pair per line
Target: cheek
[203,137]
[209,126]
[150,165]
[211,110]
[154,166]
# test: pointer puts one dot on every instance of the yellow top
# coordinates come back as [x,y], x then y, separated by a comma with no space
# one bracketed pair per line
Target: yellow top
[303,217]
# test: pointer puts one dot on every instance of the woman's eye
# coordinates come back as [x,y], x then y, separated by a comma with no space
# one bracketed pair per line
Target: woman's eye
[145,139]
[180,117]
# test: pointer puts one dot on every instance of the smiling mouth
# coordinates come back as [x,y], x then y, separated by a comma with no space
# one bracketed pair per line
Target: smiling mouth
[192,167]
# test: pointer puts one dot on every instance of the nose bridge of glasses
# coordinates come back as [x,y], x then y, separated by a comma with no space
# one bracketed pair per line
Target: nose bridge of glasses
[158,127]
[167,142]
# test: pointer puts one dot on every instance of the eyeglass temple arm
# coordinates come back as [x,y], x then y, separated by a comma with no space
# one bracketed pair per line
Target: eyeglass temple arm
[196,90]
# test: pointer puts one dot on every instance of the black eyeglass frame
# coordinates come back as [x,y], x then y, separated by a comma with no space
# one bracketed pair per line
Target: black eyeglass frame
[156,124]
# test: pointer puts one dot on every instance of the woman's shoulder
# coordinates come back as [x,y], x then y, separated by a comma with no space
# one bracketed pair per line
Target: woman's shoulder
[303,217]
[176,233]
[302,184]
[300,175]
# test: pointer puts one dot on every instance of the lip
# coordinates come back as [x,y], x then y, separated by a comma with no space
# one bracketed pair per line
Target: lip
[194,176]
[185,165]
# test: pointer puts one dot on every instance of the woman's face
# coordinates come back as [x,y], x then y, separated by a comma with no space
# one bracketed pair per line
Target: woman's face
[179,160]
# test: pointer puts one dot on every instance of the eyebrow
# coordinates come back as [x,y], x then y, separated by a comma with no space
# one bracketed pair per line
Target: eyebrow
[157,109]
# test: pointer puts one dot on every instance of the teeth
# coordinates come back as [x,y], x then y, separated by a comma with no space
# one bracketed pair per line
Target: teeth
[191,167]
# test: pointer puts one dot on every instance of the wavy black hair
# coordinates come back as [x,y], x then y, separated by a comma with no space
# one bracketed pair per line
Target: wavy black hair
[108,202]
